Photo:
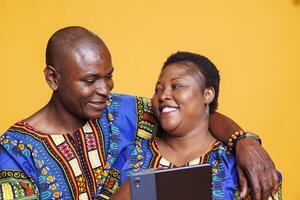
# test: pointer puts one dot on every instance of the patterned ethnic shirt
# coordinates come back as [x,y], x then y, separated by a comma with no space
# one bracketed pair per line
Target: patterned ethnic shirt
[93,162]
[35,165]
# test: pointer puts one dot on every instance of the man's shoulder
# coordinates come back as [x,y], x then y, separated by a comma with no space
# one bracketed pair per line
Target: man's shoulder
[128,97]
[17,131]
[142,111]
[142,105]
[12,128]
[128,102]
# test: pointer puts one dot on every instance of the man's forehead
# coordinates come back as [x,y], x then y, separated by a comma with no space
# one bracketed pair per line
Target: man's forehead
[74,43]
[86,59]
[87,53]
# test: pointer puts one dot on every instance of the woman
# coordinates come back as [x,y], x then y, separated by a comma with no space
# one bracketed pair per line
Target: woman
[185,95]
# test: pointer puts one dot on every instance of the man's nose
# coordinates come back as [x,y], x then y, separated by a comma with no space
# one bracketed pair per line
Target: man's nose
[103,88]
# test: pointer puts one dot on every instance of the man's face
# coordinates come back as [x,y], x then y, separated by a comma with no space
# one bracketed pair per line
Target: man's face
[85,81]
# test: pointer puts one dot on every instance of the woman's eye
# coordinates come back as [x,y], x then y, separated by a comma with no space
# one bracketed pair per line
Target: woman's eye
[157,90]
[177,86]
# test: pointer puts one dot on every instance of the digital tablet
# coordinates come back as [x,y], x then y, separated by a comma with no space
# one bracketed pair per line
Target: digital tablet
[192,182]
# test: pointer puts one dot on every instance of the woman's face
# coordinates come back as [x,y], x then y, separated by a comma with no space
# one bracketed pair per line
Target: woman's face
[178,101]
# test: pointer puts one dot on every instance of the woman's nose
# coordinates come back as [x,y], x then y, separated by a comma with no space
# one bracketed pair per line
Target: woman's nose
[165,94]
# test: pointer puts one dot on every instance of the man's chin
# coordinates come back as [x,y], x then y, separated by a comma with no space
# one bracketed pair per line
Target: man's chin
[95,115]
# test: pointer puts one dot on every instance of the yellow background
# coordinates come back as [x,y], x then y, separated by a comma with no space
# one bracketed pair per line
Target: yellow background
[255,44]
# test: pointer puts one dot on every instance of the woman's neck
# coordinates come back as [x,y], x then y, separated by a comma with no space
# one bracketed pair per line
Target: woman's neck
[180,150]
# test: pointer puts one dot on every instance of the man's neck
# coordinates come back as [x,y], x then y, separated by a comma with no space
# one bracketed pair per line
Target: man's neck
[52,119]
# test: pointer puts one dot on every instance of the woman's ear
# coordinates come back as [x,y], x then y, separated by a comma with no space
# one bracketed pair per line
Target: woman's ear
[51,77]
[209,95]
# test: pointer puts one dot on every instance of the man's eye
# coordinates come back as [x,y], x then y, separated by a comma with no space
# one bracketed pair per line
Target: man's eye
[89,81]
[109,76]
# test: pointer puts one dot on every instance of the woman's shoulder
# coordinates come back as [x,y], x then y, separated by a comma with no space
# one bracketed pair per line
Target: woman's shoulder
[222,161]
[224,174]
[221,151]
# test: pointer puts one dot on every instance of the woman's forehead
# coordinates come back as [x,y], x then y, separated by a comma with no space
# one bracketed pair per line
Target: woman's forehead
[181,69]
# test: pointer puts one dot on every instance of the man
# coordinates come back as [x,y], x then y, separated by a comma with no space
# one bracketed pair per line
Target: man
[67,149]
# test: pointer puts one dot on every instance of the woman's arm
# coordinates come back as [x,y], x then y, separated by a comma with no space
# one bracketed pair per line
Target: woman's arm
[254,165]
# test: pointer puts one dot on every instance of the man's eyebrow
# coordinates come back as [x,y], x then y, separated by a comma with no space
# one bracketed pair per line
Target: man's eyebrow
[97,75]
[111,71]
[158,83]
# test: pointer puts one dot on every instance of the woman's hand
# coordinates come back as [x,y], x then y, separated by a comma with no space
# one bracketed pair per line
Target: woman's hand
[255,166]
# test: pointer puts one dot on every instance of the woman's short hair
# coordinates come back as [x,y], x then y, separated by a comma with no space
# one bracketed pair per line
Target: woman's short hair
[208,70]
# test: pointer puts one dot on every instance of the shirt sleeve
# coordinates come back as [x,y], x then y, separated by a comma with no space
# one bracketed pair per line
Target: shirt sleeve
[131,119]
[119,124]
[225,178]
[17,170]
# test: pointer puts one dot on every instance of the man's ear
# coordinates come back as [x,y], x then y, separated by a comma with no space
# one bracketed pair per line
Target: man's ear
[209,95]
[51,77]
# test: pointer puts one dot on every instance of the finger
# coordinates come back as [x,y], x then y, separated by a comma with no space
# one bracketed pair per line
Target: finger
[256,192]
[276,183]
[269,181]
[266,182]
[243,183]
[256,188]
